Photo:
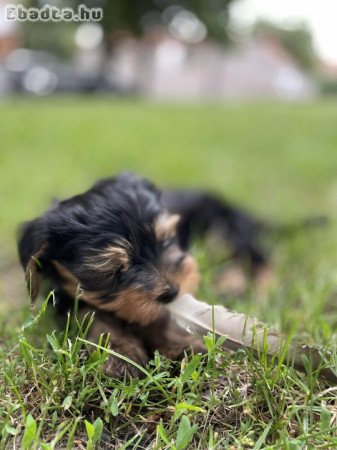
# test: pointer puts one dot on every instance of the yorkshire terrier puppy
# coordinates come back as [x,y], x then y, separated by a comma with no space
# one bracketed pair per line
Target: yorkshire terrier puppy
[123,246]
[117,245]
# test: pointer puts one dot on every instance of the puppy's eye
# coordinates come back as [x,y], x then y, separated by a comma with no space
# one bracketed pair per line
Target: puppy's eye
[168,242]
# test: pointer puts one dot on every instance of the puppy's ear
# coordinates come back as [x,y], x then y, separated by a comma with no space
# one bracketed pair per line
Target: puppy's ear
[32,248]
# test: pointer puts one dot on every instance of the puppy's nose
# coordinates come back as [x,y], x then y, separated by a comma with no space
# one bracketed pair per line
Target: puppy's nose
[168,295]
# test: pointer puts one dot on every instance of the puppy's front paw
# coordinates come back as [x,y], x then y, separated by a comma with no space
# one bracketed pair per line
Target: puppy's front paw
[176,350]
[197,346]
[192,346]
[116,368]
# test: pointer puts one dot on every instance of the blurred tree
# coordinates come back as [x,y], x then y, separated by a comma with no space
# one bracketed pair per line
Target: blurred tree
[297,40]
[56,38]
[135,16]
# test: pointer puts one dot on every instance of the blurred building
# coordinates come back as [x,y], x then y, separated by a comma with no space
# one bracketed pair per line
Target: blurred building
[163,67]
[9,33]
[9,40]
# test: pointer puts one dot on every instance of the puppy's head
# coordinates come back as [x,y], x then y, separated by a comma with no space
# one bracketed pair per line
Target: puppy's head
[118,244]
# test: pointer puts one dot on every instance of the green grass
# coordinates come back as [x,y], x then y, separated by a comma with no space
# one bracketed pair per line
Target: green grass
[279,161]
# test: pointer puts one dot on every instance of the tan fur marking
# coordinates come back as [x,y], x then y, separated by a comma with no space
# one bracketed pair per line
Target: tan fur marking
[32,275]
[264,279]
[232,281]
[188,277]
[72,286]
[135,306]
[165,226]
[110,260]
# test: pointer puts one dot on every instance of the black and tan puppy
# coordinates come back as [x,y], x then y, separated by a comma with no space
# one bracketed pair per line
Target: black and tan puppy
[117,243]
[124,243]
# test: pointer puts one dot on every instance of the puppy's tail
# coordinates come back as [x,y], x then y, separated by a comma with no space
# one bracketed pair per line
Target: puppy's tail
[288,230]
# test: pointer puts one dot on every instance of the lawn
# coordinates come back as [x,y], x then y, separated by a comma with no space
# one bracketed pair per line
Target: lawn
[277,160]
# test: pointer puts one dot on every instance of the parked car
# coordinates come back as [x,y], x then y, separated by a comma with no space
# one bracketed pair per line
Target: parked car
[41,73]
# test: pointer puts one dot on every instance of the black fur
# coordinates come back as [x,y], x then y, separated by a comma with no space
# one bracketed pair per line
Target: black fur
[202,212]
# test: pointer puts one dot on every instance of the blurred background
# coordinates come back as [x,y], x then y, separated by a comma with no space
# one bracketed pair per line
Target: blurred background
[237,96]
[178,50]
